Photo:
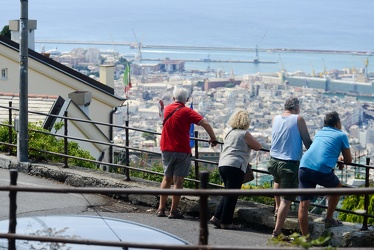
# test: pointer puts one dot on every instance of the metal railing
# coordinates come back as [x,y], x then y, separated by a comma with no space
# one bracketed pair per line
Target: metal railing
[203,193]
[127,149]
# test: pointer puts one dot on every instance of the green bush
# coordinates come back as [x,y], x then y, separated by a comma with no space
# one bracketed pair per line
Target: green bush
[214,176]
[50,143]
[259,199]
[304,242]
[149,176]
[4,137]
[356,203]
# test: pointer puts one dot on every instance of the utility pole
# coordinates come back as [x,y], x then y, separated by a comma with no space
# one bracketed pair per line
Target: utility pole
[22,138]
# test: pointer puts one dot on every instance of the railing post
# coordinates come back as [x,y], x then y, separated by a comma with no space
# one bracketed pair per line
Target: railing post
[127,171]
[12,209]
[204,233]
[366,196]
[111,160]
[196,157]
[66,139]
[10,129]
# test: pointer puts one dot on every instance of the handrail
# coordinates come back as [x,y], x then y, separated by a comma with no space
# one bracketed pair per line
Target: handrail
[194,192]
[10,108]
[203,193]
[126,167]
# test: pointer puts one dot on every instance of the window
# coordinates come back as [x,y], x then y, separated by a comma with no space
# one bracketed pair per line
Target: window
[4,74]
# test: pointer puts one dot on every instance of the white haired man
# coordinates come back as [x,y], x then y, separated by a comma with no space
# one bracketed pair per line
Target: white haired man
[175,147]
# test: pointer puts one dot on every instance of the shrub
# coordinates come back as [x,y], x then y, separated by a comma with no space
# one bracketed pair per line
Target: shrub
[50,143]
[356,203]
[148,176]
[259,199]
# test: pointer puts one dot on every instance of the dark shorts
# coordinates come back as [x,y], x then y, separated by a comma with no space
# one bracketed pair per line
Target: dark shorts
[309,178]
[285,173]
[176,164]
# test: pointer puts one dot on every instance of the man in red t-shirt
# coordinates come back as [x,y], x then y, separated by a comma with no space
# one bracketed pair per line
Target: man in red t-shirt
[175,147]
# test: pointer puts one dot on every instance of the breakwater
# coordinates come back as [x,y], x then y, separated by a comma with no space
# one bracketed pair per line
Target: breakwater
[212,60]
[182,47]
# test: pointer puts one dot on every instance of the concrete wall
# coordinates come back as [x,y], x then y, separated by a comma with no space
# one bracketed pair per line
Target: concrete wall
[359,88]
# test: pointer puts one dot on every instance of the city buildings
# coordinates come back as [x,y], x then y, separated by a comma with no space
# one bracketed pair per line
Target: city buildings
[216,96]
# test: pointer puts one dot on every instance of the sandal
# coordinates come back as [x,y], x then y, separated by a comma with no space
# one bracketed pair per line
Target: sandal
[215,221]
[332,223]
[274,235]
[161,213]
[175,215]
[281,237]
[232,226]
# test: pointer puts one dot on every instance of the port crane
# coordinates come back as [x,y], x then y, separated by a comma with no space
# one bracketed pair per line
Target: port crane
[138,56]
[256,59]
[324,73]
[313,72]
[283,69]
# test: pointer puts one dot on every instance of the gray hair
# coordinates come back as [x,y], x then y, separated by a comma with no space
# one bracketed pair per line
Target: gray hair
[291,103]
[180,95]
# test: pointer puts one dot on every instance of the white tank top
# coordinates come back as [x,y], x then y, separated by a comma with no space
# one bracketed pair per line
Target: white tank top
[286,139]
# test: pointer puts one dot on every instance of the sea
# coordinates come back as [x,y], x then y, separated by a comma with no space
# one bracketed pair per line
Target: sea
[245,24]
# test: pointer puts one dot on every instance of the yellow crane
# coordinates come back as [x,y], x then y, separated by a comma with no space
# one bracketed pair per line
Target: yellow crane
[313,72]
[281,63]
[366,68]
[324,73]
[353,71]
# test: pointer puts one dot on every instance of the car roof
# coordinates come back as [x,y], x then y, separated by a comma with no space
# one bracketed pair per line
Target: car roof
[89,228]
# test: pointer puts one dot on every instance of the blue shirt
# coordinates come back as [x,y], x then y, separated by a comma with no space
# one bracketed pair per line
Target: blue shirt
[323,154]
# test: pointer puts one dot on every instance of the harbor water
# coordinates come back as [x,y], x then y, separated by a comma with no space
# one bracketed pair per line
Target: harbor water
[290,24]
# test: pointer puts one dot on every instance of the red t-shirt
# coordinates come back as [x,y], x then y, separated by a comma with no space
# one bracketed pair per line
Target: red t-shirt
[175,136]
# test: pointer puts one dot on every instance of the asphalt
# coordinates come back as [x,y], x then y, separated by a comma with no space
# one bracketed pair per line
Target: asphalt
[257,216]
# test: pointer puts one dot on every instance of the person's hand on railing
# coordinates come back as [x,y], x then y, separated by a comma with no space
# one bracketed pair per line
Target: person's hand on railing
[213,143]
[340,162]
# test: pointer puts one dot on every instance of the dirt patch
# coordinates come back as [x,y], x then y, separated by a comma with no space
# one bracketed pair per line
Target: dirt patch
[119,206]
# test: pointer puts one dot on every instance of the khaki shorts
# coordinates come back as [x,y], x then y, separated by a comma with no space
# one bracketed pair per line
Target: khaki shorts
[285,173]
[176,164]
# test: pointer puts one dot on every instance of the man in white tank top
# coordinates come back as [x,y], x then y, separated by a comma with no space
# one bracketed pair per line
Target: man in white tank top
[289,133]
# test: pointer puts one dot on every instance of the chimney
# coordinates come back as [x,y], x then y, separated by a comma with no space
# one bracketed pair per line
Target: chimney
[107,75]
[15,32]
[82,99]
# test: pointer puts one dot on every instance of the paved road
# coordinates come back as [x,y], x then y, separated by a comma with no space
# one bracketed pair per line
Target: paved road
[89,204]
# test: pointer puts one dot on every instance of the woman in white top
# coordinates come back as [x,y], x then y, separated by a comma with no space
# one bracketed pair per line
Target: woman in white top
[232,166]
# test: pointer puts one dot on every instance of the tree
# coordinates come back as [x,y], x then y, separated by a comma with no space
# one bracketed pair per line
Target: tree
[200,84]
[230,85]
[6,32]
[122,60]
[149,136]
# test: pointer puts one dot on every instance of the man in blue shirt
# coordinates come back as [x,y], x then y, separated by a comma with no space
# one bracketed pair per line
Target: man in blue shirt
[317,164]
